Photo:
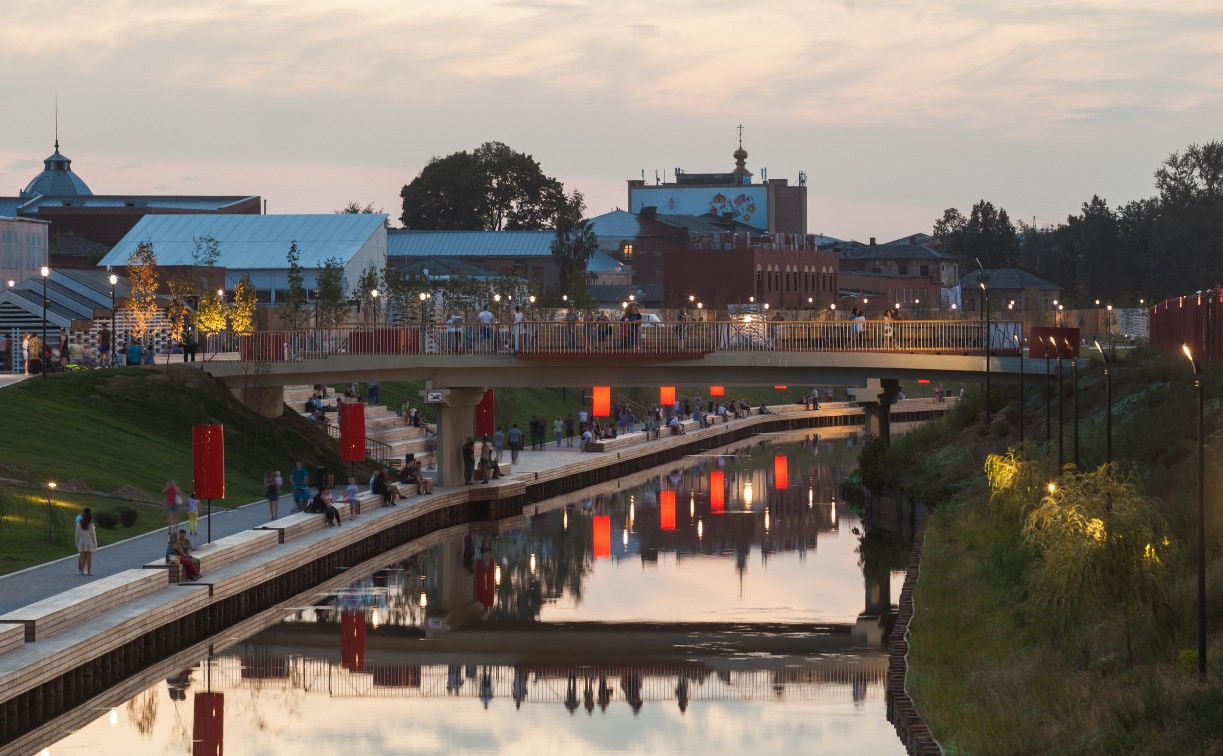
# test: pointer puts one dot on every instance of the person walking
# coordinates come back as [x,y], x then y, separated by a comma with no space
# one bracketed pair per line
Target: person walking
[371,392]
[86,542]
[301,486]
[189,344]
[468,452]
[558,430]
[271,489]
[499,442]
[515,439]
[25,353]
[173,499]
[569,430]
[5,366]
[104,343]
[193,513]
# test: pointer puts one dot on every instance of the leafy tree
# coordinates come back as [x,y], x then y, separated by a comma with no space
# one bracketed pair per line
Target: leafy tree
[356,208]
[332,303]
[295,296]
[142,287]
[987,234]
[242,311]
[178,312]
[211,316]
[573,247]
[492,188]
[368,282]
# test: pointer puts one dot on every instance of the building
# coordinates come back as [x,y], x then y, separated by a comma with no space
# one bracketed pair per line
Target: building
[258,246]
[23,248]
[1011,290]
[512,254]
[909,271]
[84,225]
[770,205]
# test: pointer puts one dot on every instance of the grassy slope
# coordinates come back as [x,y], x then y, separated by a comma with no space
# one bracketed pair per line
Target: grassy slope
[984,676]
[132,426]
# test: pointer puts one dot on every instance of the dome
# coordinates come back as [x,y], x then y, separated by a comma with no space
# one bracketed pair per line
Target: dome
[57,179]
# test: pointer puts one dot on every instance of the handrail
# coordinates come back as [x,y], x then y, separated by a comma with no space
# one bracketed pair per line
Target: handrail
[375,450]
[689,339]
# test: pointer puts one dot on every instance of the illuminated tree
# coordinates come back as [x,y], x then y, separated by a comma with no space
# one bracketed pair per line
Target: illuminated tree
[142,285]
[178,311]
[242,311]
[211,317]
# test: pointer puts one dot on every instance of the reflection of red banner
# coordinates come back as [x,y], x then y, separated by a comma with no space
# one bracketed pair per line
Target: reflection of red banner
[208,451]
[781,473]
[352,431]
[384,341]
[717,390]
[781,388]
[602,536]
[717,492]
[486,423]
[666,510]
[208,727]
[352,641]
[666,395]
[602,401]
[484,583]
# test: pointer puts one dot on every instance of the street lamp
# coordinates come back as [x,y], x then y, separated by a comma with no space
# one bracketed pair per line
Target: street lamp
[1019,343]
[373,296]
[114,280]
[1201,514]
[988,340]
[531,299]
[1048,391]
[42,357]
[1108,399]
[1061,413]
[1075,374]
[700,315]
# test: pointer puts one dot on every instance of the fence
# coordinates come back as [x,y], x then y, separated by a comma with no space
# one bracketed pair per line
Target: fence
[374,450]
[1192,320]
[641,338]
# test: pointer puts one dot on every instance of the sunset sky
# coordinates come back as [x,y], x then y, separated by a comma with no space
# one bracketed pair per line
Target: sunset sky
[896,109]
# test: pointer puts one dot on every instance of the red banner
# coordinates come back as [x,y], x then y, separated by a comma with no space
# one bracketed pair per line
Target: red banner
[352,431]
[666,395]
[602,401]
[717,492]
[208,454]
[486,415]
[717,390]
[486,572]
[602,536]
[666,510]
[208,727]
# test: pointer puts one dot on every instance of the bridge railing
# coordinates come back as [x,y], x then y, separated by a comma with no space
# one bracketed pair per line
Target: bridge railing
[642,338]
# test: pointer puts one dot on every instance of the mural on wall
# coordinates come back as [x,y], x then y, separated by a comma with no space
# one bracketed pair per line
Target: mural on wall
[745,204]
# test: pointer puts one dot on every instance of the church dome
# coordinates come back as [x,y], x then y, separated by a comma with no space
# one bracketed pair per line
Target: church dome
[57,179]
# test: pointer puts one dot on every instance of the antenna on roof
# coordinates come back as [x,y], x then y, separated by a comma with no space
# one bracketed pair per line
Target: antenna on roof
[57,121]
[656,179]
[643,175]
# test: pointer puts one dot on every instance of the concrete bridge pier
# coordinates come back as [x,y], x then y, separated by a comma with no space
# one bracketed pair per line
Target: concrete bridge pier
[268,401]
[878,413]
[456,420]
[459,606]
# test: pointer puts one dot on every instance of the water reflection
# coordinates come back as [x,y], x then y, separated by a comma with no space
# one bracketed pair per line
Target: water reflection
[729,603]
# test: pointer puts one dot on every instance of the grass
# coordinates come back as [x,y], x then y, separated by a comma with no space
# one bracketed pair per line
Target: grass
[127,431]
[24,540]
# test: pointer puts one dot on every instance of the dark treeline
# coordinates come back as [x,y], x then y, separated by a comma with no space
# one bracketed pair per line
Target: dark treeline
[1166,245]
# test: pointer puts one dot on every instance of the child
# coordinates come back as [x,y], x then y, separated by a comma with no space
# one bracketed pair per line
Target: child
[193,513]
[350,496]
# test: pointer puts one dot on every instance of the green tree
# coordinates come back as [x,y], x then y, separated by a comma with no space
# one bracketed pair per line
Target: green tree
[367,283]
[573,247]
[242,310]
[332,303]
[987,234]
[211,316]
[142,288]
[289,308]
[491,188]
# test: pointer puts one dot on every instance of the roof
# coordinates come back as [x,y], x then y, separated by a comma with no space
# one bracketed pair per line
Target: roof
[143,201]
[441,268]
[8,207]
[919,238]
[1008,278]
[407,243]
[251,242]
[56,178]
[902,251]
[72,294]
[601,262]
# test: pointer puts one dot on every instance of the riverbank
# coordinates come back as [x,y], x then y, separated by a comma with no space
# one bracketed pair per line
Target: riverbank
[1017,647]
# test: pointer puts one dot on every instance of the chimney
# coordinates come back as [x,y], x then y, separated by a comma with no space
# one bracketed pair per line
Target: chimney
[728,216]
[649,213]
[872,241]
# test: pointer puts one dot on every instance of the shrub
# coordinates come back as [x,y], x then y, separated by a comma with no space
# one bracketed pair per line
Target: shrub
[106,519]
[128,516]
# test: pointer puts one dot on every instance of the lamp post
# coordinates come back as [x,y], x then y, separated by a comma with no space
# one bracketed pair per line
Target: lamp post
[1108,400]
[1109,326]
[985,307]
[1061,413]
[1019,343]
[1074,372]
[1197,383]
[373,297]
[1048,391]
[114,280]
[42,356]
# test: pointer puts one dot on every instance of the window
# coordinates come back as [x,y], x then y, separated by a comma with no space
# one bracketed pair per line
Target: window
[925,271]
[876,269]
[904,269]
[628,251]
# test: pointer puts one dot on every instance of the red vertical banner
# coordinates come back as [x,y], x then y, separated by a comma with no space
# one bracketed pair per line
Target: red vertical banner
[717,390]
[485,582]
[717,492]
[781,388]
[486,420]
[666,395]
[602,401]
[781,473]
[666,510]
[208,727]
[208,454]
[352,431]
[602,536]
[352,641]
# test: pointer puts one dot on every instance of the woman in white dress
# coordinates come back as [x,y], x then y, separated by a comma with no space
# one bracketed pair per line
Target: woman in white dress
[86,542]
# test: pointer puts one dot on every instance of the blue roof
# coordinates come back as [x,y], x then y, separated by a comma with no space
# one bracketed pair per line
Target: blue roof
[601,262]
[251,242]
[160,202]
[56,178]
[407,243]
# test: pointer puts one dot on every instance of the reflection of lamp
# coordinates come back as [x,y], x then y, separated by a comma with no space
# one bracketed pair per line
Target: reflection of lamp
[747,494]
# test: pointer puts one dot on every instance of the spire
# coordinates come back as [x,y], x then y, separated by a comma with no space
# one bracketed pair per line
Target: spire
[57,124]
[741,173]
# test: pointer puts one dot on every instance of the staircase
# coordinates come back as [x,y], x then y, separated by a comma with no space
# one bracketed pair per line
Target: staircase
[381,424]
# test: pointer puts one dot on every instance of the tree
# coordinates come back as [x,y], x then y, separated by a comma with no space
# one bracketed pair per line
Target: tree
[987,234]
[492,188]
[178,312]
[142,287]
[295,295]
[367,283]
[242,311]
[332,303]
[356,208]
[211,317]
[574,245]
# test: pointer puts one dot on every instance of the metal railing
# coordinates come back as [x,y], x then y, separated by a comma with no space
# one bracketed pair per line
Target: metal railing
[375,450]
[623,339]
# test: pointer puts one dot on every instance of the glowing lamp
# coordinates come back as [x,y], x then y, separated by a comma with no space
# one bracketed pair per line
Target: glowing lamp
[717,391]
[780,388]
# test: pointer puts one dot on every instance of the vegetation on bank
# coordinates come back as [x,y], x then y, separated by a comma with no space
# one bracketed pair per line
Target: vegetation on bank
[1064,618]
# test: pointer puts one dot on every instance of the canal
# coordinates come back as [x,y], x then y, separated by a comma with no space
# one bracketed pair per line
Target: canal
[730,602]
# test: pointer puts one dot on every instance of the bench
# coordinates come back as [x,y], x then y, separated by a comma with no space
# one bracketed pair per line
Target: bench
[12,637]
[43,618]
[296,525]
[221,551]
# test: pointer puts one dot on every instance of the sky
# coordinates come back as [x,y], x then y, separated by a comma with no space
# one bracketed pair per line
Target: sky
[894,109]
